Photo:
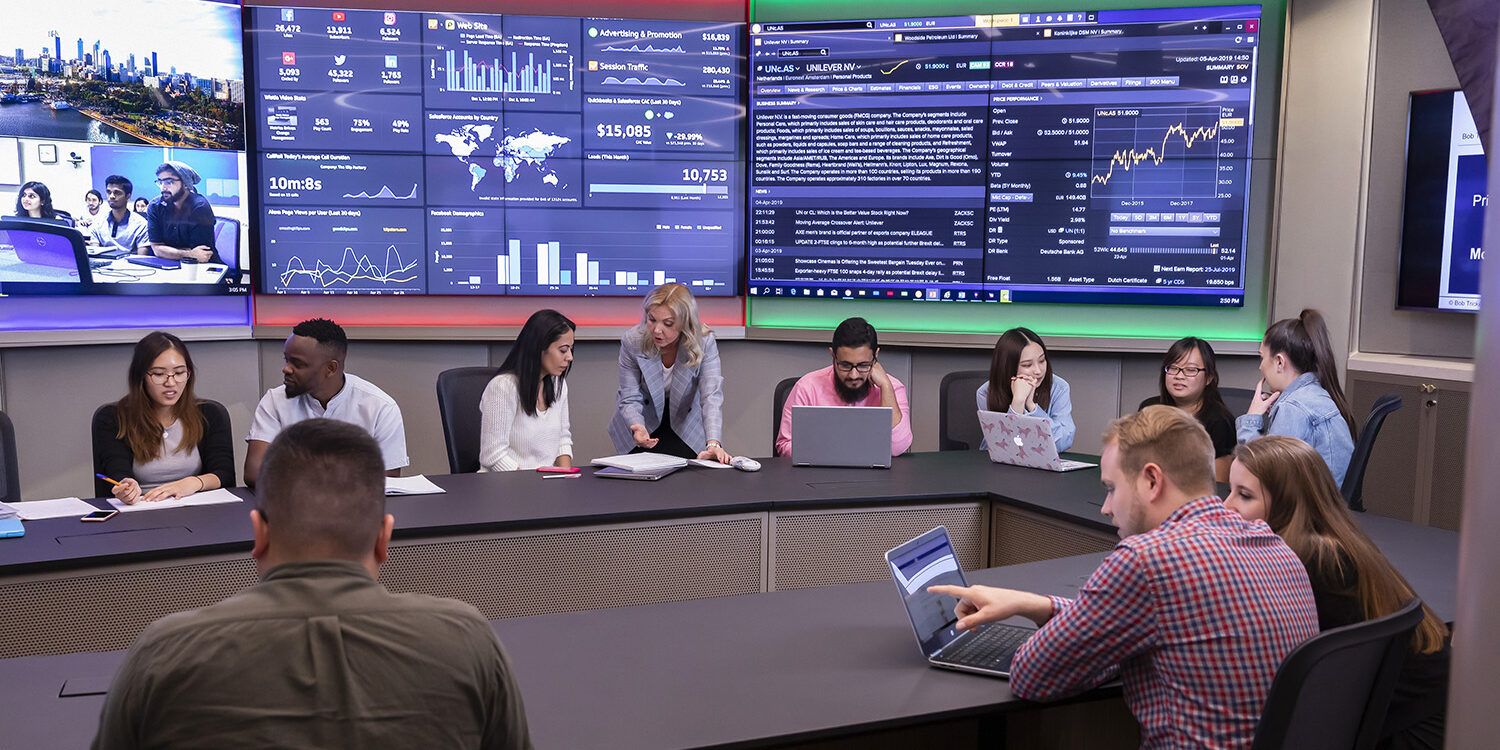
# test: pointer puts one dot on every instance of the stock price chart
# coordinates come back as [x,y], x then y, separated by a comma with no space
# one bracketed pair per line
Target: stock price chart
[1064,157]
[439,153]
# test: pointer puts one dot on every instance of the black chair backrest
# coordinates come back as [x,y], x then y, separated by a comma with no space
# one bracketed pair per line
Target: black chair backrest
[1354,477]
[458,394]
[783,389]
[958,417]
[1333,690]
[1237,399]
[10,479]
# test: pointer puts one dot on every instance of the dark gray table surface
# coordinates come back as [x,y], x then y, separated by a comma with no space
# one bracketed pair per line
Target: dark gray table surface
[711,672]
[740,670]
[487,503]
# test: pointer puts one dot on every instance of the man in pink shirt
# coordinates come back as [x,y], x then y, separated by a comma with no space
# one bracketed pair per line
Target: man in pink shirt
[854,379]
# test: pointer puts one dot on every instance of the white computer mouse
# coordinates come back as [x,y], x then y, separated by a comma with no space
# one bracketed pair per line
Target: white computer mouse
[745,464]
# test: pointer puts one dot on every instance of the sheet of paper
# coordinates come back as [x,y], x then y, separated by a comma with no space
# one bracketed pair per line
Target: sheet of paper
[62,507]
[708,463]
[416,485]
[209,497]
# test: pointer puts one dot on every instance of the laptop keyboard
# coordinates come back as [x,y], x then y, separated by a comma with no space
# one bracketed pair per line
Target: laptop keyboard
[991,649]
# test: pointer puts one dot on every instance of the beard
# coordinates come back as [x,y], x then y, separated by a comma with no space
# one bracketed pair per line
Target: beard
[851,395]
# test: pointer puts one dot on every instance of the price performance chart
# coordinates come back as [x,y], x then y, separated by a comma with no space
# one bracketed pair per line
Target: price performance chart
[493,155]
[1098,156]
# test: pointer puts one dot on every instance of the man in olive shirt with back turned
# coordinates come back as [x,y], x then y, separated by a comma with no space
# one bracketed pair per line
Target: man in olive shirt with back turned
[318,654]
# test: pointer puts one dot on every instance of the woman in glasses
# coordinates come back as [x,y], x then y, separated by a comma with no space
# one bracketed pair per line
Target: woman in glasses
[1190,381]
[160,441]
[1021,381]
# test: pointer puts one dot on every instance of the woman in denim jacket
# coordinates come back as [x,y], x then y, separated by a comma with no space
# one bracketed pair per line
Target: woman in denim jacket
[1305,400]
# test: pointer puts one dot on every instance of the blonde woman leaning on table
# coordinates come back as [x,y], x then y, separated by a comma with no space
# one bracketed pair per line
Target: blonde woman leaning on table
[671,389]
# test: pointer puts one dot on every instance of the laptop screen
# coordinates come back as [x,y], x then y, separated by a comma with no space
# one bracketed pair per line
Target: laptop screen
[926,561]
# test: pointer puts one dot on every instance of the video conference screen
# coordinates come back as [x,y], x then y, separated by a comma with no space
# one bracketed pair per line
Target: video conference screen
[122,124]
[461,154]
[1442,232]
[1025,157]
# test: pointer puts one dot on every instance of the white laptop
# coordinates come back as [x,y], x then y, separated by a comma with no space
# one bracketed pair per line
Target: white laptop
[853,436]
[1019,440]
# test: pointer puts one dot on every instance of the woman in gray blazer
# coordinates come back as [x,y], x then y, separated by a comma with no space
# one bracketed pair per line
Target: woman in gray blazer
[671,390]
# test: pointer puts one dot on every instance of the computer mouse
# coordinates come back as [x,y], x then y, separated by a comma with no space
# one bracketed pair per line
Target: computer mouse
[745,464]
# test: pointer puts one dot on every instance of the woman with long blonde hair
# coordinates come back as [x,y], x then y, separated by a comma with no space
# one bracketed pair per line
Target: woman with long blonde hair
[1286,483]
[671,393]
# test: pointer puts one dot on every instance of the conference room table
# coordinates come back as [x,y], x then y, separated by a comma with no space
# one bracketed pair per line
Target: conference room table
[519,544]
[784,668]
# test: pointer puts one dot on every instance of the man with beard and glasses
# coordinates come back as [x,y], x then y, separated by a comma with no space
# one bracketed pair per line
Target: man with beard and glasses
[314,384]
[180,224]
[854,379]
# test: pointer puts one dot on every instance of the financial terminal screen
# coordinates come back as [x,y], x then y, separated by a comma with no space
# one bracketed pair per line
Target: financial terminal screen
[443,154]
[1078,156]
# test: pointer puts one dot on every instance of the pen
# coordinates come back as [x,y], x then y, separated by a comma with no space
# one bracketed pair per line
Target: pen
[561,476]
[107,479]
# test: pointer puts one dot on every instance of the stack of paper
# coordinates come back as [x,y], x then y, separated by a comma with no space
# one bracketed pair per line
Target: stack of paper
[63,507]
[209,497]
[417,485]
[642,462]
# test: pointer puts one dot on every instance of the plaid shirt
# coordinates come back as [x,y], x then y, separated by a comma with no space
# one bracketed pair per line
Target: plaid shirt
[1195,615]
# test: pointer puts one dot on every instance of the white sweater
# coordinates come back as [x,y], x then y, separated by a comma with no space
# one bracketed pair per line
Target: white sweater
[510,440]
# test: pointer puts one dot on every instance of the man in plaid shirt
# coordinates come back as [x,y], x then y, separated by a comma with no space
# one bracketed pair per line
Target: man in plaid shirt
[1194,609]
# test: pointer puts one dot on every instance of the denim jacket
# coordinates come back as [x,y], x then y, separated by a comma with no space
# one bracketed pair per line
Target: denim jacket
[1059,411]
[1305,411]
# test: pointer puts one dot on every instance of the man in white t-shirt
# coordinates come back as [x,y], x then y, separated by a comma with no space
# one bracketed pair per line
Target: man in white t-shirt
[314,384]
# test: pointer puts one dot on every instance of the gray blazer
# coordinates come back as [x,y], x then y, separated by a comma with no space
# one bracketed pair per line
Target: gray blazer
[697,395]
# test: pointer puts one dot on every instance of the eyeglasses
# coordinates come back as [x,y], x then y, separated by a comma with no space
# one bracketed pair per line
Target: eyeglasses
[162,376]
[1191,372]
[850,366]
[167,180]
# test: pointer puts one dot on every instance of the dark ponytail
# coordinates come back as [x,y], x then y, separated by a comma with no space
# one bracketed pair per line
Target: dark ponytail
[1304,341]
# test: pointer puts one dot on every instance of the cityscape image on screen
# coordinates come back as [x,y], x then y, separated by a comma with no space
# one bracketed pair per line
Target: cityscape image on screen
[93,102]
[1027,157]
[450,154]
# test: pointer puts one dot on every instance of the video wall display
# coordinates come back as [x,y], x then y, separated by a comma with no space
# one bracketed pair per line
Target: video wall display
[123,127]
[466,154]
[1077,157]
[1447,193]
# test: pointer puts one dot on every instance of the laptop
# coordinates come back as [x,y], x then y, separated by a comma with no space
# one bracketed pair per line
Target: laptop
[1019,440]
[851,436]
[926,561]
[645,475]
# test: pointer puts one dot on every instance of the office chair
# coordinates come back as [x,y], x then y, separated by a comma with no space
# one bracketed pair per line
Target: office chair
[1354,476]
[1333,690]
[958,417]
[1237,399]
[458,394]
[778,401]
[10,479]
[227,240]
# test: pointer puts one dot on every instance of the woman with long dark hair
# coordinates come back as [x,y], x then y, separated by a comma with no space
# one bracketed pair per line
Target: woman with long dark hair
[1305,400]
[1189,380]
[1021,381]
[34,201]
[524,410]
[160,441]
[1284,482]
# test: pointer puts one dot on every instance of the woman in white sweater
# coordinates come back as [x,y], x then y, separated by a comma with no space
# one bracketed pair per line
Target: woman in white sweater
[524,410]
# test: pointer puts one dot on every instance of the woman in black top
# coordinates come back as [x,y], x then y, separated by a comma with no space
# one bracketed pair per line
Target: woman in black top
[1286,483]
[1190,381]
[160,441]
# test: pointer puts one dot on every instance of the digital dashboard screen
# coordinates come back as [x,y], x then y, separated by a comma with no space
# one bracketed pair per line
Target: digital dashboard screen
[1447,193]
[1083,156]
[440,153]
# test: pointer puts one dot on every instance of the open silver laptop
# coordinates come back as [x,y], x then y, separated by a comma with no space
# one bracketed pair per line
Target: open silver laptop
[1019,440]
[854,436]
[926,561]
